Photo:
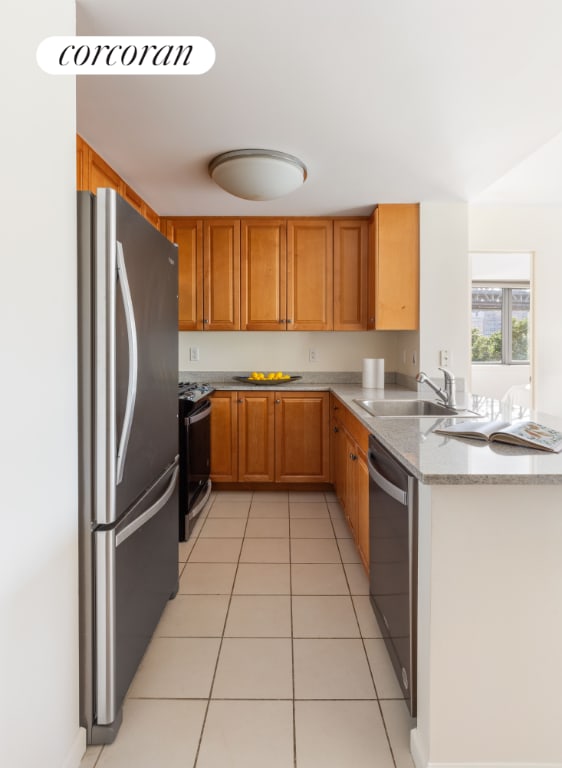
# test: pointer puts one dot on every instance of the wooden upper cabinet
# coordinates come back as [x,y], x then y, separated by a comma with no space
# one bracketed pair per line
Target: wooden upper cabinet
[188,234]
[263,275]
[93,172]
[151,215]
[396,266]
[350,274]
[309,274]
[132,198]
[82,161]
[302,438]
[221,274]
[102,175]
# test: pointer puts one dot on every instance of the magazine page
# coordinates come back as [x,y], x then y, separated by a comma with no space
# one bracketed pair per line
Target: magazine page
[528,432]
[477,429]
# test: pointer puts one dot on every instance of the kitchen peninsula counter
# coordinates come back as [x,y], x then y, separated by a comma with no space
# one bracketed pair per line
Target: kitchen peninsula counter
[489,587]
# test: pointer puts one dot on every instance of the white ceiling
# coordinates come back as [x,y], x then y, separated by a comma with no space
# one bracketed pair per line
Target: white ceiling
[385,101]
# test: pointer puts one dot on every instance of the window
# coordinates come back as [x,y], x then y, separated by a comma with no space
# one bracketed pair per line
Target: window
[500,322]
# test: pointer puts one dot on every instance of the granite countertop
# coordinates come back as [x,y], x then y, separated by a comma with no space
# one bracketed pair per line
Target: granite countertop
[441,460]
[434,459]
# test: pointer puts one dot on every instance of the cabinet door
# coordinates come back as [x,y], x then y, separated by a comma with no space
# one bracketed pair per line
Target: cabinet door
[132,198]
[221,275]
[101,174]
[340,463]
[263,275]
[224,437]
[151,215]
[396,267]
[362,495]
[351,483]
[310,275]
[82,165]
[302,452]
[188,234]
[350,274]
[256,444]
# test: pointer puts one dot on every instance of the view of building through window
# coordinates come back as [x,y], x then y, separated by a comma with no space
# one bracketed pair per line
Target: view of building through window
[500,323]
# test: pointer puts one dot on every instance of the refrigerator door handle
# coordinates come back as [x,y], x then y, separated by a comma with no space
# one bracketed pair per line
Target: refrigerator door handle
[149,513]
[133,363]
[105,643]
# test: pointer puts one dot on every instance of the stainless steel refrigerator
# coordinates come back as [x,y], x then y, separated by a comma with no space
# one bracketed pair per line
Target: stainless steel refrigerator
[128,447]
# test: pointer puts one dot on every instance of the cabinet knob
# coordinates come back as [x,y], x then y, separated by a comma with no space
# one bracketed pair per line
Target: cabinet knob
[289,321]
[205,321]
[278,401]
[336,429]
[353,457]
[240,400]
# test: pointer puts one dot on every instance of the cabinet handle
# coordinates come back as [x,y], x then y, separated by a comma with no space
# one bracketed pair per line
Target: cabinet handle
[240,400]
[205,321]
[278,401]
[289,321]
[353,457]
[336,429]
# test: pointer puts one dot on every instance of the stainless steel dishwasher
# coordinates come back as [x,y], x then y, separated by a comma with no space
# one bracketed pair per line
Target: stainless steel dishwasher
[393,562]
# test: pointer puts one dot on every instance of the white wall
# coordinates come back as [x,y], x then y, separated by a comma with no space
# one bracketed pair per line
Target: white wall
[444,288]
[265,351]
[535,228]
[38,510]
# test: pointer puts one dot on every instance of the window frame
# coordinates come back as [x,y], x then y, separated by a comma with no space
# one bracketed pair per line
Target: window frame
[507,288]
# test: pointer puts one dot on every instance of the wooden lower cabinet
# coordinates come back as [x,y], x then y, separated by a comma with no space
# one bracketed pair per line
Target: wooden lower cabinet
[351,474]
[280,437]
[224,437]
[256,437]
[302,452]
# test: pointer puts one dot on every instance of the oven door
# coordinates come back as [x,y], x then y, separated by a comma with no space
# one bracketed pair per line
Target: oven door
[197,460]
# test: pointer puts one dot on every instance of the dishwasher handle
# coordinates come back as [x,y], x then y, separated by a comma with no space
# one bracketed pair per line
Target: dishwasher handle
[392,490]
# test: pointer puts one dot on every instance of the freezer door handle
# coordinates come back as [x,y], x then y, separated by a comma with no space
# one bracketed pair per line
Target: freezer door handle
[133,363]
[105,703]
[149,513]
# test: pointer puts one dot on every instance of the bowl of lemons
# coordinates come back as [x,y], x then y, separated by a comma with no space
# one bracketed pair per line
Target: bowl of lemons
[267,379]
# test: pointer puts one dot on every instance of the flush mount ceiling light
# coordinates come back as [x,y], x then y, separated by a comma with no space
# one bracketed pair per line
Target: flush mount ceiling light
[257,174]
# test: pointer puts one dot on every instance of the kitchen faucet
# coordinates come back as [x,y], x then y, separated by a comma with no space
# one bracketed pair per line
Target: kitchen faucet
[448,395]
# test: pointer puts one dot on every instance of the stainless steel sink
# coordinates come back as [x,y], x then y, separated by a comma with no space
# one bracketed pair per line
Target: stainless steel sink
[392,409]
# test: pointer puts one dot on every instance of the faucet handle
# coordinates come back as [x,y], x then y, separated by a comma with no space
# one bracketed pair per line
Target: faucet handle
[447,373]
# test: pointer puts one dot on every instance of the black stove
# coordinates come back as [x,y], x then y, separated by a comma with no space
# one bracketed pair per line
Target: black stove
[195,452]
[193,391]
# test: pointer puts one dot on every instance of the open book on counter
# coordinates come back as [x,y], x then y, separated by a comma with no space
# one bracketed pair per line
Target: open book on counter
[521,432]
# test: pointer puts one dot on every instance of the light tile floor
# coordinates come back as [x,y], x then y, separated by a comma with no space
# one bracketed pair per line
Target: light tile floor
[270,655]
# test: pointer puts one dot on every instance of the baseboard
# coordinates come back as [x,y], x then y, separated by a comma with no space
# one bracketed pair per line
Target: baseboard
[76,752]
[419,755]
[418,750]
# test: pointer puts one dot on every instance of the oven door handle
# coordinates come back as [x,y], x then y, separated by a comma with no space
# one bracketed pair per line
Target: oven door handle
[199,415]
[392,490]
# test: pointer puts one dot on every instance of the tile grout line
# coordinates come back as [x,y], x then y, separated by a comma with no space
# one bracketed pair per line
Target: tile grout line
[292,643]
[204,723]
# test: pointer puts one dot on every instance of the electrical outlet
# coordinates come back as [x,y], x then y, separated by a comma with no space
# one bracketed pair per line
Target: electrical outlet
[194,354]
[313,355]
[444,358]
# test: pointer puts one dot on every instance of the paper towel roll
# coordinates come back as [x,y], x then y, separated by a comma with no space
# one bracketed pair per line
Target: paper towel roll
[373,373]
